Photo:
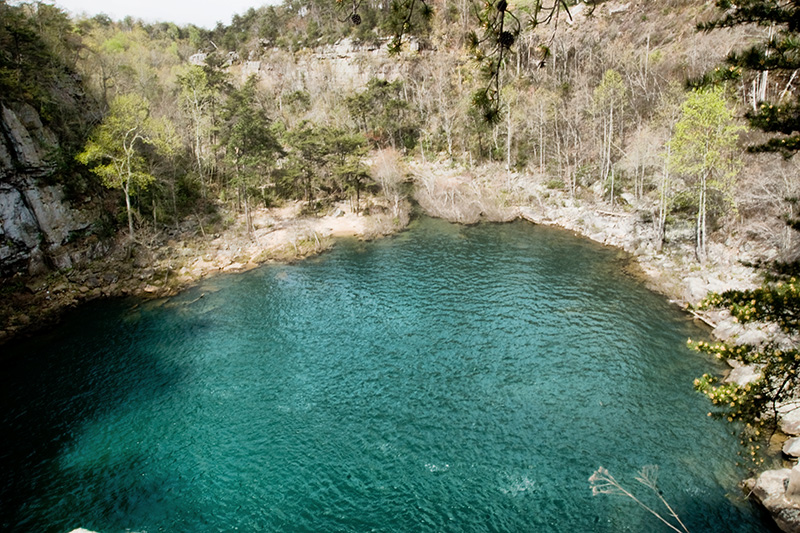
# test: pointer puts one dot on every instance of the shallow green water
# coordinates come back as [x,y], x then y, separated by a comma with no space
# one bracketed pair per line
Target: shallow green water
[448,379]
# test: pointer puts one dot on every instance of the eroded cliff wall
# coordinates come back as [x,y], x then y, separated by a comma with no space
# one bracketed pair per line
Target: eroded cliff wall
[36,221]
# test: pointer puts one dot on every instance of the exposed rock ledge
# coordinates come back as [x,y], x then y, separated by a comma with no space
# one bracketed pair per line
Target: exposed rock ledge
[36,223]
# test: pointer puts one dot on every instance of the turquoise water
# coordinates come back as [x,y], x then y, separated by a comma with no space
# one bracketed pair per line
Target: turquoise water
[449,379]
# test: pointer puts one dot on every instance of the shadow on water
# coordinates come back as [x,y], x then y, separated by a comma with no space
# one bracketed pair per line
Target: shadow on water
[52,385]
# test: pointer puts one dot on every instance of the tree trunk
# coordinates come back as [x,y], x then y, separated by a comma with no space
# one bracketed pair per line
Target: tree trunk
[661,226]
[126,190]
[701,221]
[198,142]
[608,151]
[508,140]
[247,218]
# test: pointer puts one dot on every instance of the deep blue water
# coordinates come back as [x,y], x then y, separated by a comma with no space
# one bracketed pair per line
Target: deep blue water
[449,379]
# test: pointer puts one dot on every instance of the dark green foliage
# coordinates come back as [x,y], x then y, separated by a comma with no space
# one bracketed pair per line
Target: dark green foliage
[37,57]
[251,149]
[778,302]
[779,54]
[307,158]
[384,115]
[324,160]
[347,151]
[407,17]
[500,29]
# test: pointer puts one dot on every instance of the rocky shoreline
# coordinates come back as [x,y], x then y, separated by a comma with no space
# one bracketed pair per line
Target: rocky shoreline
[672,271]
[169,263]
[686,283]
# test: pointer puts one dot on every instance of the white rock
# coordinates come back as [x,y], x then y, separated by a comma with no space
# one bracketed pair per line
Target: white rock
[790,422]
[696,288]
[753,336]
[727,329]
[744,374]
[793,487]
[770,490]
[792,447]
[771,484]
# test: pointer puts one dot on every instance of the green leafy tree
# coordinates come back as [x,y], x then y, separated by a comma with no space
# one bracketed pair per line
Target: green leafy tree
[200,95]
[117,148]
[703,148]
[384,115]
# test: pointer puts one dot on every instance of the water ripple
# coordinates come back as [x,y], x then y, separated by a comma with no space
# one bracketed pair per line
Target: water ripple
[449,379]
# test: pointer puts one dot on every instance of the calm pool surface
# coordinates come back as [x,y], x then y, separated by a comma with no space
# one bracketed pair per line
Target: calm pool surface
[449,379]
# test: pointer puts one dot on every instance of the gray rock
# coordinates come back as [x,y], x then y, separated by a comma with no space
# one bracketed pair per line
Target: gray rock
[22,145]
[198,59]
[6,162]
[55,218]
[16,220]
[36,221]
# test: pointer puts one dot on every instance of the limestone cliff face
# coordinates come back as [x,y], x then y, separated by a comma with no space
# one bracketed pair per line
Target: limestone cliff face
[36,221]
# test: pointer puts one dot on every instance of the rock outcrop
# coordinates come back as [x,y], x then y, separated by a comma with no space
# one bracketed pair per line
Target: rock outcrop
[36,221]
[779,492]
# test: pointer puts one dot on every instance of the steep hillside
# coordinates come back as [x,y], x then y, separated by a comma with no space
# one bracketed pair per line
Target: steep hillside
[553,153]
[561,150]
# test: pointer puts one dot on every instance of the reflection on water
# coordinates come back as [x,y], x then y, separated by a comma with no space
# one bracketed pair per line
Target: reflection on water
[447,379]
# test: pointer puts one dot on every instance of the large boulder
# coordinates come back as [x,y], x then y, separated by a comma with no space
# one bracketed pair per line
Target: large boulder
[778,491]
